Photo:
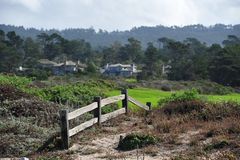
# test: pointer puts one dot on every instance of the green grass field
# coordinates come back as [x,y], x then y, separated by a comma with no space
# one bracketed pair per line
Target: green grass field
[222,98]
[153,95]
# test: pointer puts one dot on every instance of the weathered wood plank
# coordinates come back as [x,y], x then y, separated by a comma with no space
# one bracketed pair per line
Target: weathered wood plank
[82,126]
[113,114]
[82,110]
[113,99]
[139,104]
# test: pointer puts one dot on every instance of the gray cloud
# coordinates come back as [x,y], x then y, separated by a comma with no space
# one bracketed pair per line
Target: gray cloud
[117,14]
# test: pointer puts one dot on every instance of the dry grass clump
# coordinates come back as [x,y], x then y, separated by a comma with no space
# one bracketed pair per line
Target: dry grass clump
[177,117]
[182,107]
[217,124]
[41,113]
[20,138]
[25,122]
[9,92]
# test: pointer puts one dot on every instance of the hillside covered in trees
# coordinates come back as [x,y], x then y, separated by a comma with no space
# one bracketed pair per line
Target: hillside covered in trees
[189,59]
[208,35]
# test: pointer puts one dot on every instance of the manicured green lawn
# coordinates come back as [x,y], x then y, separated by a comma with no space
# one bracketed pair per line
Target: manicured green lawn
[144,95]
[153,95]
[222,98]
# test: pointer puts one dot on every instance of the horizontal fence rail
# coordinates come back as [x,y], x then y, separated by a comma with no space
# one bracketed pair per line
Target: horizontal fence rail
[82,110]
[113,99]
[132,100]
[113,114]
[82,126]
[96,106]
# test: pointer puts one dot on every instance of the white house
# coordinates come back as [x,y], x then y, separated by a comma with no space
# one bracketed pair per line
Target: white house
[125,70]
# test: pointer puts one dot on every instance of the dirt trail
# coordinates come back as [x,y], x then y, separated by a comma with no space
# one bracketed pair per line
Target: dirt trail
[104,146]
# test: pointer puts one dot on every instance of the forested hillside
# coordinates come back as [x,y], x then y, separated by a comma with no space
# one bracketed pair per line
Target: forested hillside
[209,35]
[186,60]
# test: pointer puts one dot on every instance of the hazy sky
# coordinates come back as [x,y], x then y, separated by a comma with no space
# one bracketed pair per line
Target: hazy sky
[117,14]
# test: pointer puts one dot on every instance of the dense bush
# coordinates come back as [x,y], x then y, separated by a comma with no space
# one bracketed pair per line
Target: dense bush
[13,80]
[217,145]
[183,107]
[181,97]
[37,74]
[80,93]
[166,88]
[133,141]
[205,87]
[190,101]
[9,92]
[218,111]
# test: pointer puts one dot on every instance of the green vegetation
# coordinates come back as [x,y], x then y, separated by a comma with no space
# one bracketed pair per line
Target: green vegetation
[187,60]
[223,98]
[180,97]
[214,123]
[143,95]
[81,93]
[16,81]
[131,80]
[27,118]
[154,95]
[40,118]
[133,141]
[217,145]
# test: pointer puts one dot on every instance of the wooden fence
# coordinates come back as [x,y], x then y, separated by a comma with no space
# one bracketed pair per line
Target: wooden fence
[96,106]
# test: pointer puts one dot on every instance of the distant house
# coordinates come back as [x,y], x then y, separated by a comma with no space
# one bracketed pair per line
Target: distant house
[166,69]
[125,70]
[62,68]
[45,63]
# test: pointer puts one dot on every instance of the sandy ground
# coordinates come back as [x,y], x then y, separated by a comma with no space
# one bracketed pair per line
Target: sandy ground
[105,147]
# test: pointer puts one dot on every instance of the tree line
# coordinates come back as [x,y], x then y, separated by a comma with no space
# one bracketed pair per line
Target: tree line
[212,34]
[187,60]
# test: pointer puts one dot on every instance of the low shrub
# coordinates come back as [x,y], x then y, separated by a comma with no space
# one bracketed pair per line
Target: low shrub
[218,111]
[133,141]
[217,145]
[109,108]
[41,113]
[18,138]
[13,80]
[9,92]
[81,93]
[183,107]
[205,87]
[166,88]
[181,97]
[38,74]
[182,103]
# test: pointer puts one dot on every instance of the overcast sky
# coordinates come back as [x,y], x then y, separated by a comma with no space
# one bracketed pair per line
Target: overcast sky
[117,14]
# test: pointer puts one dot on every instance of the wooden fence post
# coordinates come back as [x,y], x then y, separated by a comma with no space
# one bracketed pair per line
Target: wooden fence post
[64,128]
[149,104]
[125,100]
[97,111]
